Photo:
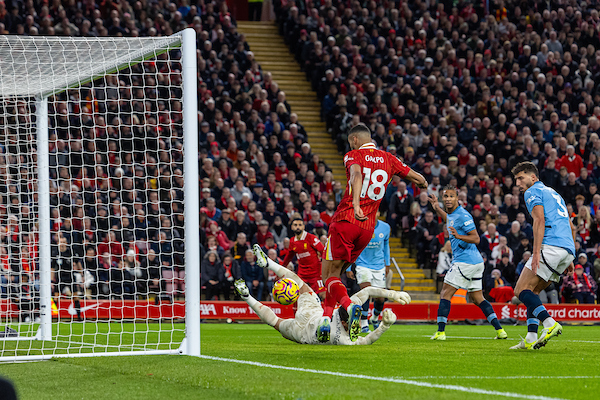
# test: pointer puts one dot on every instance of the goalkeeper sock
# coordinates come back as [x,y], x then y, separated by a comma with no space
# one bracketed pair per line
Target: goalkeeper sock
[534,305]
[283,272]
[365,310]
[264,313]
[377,307]
[489,313]
[338,291]
[443,312]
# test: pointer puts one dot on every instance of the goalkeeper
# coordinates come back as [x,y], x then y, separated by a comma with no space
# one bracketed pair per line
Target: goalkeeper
[302,327]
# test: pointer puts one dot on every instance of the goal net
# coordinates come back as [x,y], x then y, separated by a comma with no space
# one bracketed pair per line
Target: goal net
[98,218]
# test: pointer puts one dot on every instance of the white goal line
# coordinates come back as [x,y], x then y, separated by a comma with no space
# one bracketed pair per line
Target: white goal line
[386,379]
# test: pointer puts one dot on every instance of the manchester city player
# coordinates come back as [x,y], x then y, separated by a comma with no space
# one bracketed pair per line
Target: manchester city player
[371,268]
[466,271]
[553,252]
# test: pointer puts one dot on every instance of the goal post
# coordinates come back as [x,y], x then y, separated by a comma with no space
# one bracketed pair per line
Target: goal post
[99,238]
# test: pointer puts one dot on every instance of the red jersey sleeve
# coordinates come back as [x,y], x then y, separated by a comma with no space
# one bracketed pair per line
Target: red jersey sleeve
[350,158]
[288,257]
[318,246]
[398,167]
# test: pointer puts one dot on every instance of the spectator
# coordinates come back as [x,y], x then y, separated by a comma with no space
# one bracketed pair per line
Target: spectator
[514,236]
[501,249]
[443,265]
[213,275]
[489,240]
[253,275]
[579,286]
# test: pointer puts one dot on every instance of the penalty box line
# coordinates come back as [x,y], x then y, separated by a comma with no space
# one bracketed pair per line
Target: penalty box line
[457,388]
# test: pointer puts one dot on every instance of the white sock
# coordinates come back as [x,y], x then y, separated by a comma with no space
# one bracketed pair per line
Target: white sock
[364,323]
[283,272]
[548,322]
[531,337]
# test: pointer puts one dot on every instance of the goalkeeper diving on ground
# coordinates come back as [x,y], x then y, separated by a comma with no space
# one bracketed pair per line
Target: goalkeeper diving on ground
[302,327]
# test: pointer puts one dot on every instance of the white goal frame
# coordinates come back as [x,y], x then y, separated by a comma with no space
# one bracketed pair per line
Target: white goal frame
[9,86]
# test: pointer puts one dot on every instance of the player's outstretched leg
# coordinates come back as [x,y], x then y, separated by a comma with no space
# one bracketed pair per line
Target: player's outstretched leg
[264,313]
[282,272]
[442,319]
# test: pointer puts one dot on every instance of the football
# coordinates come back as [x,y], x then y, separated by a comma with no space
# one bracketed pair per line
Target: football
[286,291]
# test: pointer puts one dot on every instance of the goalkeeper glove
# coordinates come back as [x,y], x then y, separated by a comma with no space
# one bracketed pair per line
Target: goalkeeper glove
[402,298]
[388,317]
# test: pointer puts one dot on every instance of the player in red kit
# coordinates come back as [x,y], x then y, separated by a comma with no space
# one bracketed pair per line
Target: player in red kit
[369,171]
[308,250]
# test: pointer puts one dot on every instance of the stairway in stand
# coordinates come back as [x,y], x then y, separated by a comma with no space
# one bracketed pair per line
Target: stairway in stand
[273,55]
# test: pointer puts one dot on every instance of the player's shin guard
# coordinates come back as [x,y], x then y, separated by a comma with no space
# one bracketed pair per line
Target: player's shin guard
[264,313]
[338,291]
[535,307]
[443,312]
[491,316]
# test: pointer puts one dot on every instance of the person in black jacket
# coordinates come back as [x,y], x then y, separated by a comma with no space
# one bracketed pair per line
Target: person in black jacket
[213,275]
[227,224]
[253,275]
[232,273]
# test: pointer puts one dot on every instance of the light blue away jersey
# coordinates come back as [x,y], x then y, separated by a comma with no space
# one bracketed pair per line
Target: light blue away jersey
[463,252]
[558,228]
[377,253]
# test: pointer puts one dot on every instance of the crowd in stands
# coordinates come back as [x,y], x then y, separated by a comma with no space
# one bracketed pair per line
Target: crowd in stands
[116,162]
[462,92]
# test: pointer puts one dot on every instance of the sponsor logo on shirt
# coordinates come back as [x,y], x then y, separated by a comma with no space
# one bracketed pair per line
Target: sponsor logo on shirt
[302,255]
[374,159]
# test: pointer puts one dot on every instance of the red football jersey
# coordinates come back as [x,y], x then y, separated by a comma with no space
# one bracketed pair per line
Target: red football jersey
[307,251]
[377,168]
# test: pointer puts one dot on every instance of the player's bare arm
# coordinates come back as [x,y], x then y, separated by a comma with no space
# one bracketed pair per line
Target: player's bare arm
[436,207]
[471,237]
[417,179]
[539,228]
[356,188]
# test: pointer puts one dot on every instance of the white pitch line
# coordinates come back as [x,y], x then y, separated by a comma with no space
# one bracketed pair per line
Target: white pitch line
[490,338]
[386,379]
[501,377]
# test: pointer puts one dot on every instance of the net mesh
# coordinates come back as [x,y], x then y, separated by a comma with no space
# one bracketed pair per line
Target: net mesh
[116,194]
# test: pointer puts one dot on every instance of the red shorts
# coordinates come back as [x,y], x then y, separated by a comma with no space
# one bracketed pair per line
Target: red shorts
[346,241]
[315,284]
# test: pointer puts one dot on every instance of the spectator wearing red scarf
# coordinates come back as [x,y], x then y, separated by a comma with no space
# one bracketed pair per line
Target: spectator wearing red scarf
[580,286]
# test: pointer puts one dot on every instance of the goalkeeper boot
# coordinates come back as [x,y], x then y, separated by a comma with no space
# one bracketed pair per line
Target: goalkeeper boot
[354,313]
[523,345]
[547,334]
[241,288]
[439,336]
[324,330]
[374,320]
[261,257]
[501,334]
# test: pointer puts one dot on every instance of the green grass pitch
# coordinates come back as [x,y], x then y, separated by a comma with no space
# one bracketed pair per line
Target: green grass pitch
[567,368]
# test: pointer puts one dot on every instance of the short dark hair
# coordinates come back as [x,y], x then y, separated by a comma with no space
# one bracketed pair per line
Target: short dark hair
[526,166]
[450,187]
[296,219]
[359,129]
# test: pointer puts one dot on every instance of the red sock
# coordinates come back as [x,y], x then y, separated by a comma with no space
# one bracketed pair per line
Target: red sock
[328,305]
[338,291]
